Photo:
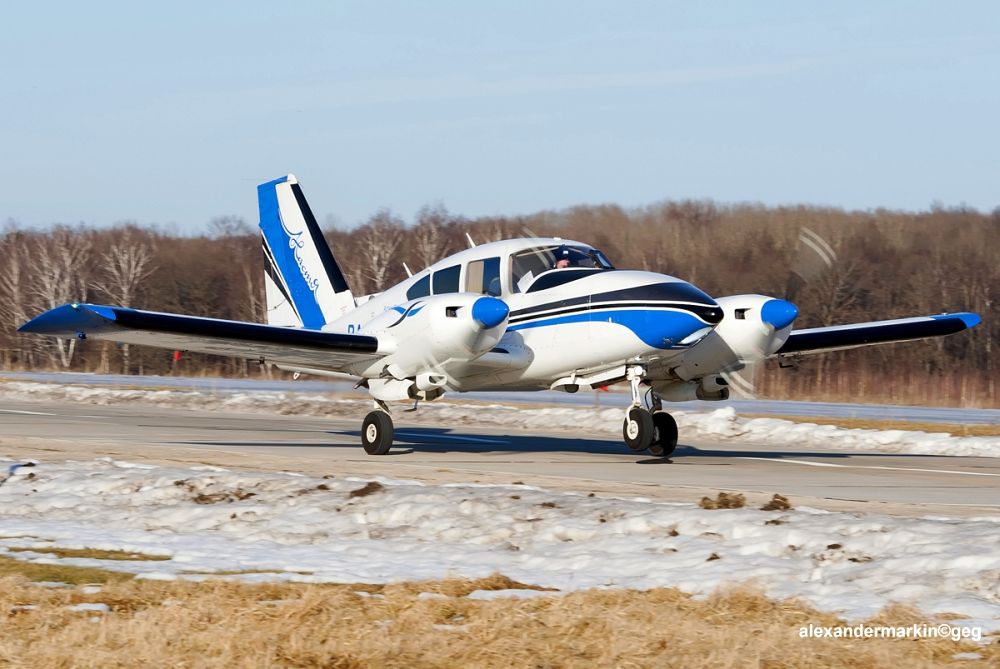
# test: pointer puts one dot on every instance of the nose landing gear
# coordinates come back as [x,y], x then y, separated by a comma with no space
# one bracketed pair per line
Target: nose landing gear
[642,430]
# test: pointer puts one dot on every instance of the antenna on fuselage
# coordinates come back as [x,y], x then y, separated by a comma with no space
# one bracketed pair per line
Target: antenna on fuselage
[408,272]
[472,244]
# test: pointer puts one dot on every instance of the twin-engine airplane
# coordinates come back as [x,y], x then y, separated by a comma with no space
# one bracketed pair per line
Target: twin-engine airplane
[520,314]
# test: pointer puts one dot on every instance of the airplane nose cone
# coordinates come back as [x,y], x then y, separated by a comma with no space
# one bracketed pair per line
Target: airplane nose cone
[778,313]
[489,311]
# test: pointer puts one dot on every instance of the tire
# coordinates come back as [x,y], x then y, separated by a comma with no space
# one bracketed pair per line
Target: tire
[665,437]
[377,433]
[637,431]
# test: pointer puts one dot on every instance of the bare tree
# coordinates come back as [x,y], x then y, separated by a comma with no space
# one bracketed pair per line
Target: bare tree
[244,244]
[13,282]
[125,264]
[429,241]
[62,261]
[229,226]
[379,240]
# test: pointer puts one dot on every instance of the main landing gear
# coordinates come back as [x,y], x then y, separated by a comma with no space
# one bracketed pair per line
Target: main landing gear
[643,429]
[652,429]
[377,432]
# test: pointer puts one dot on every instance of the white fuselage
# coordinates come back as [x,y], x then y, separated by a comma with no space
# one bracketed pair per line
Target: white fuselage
[580,330]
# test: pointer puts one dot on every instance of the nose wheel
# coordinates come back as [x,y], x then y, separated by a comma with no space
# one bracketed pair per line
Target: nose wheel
[377,432]
[638,429]
[665,437]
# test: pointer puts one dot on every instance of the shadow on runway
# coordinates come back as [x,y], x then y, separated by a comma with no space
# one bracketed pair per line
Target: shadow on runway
[409,440]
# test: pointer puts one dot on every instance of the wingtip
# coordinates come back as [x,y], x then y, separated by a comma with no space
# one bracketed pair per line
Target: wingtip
[68,319]
[970,319]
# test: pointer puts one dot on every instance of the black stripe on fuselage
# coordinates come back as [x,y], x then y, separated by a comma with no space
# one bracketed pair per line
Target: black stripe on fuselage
[683,295]
[337,279]
[697,310]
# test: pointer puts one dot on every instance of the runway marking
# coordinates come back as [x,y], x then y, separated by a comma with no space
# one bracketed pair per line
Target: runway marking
[45,413]
[480,440]
[899,469]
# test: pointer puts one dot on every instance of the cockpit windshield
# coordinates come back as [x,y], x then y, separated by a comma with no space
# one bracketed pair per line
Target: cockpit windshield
[527,265]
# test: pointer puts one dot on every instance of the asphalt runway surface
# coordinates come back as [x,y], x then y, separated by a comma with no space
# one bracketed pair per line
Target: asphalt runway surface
[836,480]
[618,397]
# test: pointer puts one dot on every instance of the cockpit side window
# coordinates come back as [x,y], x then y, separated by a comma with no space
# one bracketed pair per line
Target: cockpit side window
[422,288]
[483,276]
[446,280]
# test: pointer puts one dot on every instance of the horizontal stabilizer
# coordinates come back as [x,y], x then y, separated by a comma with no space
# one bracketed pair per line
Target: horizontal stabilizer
[204,335]
[838,337]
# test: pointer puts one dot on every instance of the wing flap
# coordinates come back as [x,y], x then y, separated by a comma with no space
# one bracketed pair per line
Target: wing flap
[839,337]
[204,335]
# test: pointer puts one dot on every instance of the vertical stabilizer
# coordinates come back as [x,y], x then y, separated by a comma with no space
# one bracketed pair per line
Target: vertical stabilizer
[304,284]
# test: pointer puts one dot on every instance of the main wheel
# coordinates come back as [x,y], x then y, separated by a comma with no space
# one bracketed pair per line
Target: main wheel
[376,433]
[638,429]
[665,439]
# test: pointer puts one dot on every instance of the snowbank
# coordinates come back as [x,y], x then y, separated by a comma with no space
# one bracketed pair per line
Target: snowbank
[719,425]
[281,526]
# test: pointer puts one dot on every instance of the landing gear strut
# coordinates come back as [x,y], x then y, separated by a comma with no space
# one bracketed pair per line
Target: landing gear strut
[656,430]
[637,431]
[377,433]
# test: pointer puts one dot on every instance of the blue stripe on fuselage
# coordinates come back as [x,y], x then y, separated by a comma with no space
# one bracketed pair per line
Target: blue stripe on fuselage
[657,328]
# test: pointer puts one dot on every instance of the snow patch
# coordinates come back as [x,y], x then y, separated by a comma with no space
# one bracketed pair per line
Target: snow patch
[300,528]
[94,608]
[509,594]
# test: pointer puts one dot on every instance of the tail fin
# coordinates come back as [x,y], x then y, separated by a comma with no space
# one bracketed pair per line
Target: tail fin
[304,284]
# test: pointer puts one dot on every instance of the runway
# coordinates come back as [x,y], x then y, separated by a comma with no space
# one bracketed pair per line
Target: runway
[617,397]
[835,480]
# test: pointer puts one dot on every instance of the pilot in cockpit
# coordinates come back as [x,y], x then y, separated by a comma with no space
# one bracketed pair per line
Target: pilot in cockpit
[563,258]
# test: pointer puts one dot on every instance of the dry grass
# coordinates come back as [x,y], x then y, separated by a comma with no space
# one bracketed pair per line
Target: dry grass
[369,488]
[57,573]
[225,624]
[954,429]
[724,500]
[89,553]
[777,503]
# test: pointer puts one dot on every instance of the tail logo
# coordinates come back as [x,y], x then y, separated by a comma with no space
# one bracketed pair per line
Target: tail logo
[295,243]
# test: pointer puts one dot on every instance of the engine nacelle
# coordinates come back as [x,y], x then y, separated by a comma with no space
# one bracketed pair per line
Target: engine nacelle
[754,327]
[423,336]
[692,390]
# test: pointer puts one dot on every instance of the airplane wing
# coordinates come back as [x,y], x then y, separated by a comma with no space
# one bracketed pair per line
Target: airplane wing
[291,346]
[838,337]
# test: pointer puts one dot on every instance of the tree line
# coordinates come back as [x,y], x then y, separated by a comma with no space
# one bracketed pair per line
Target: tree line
[889,264]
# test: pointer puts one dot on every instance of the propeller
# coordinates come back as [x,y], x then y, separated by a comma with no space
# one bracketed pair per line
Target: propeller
[814,256]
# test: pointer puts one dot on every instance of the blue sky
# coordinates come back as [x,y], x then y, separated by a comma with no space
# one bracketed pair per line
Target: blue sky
[171,113]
